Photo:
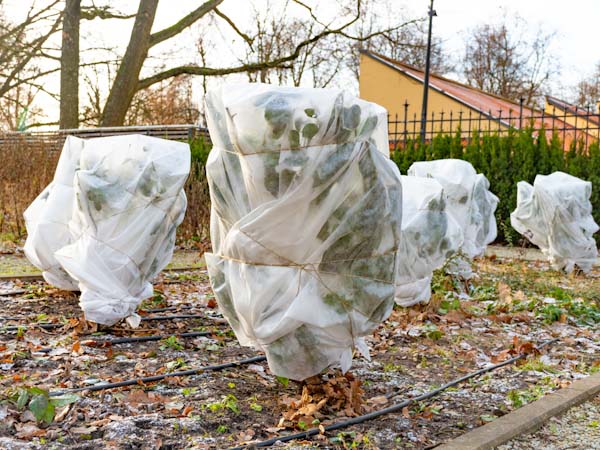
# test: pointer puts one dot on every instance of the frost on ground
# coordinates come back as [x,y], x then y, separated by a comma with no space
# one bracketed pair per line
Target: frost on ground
[508,306]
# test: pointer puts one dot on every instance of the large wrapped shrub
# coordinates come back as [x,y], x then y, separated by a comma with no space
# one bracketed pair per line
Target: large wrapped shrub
[47,218]
[429,237]
[126,202]
[469,202]
[305,223]
[556,215]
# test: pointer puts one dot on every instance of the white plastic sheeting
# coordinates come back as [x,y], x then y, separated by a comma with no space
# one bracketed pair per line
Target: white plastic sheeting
[429,237]
[126,203]
[556,215]
[305,224]
[47,218]
[470,203]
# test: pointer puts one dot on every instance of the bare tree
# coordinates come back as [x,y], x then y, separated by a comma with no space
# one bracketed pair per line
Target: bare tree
[169,102]
[588,90]
[509,63]
[23,43]
[69,66]
[73,13]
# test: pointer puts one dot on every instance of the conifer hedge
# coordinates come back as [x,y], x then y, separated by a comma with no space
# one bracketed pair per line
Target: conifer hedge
[518,155]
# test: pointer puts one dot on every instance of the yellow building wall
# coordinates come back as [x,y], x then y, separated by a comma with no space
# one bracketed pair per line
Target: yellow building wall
[390,88]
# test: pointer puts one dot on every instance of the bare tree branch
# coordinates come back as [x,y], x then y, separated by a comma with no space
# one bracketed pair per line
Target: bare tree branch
[243,35]
[258,66]
[102,12]
[189,20]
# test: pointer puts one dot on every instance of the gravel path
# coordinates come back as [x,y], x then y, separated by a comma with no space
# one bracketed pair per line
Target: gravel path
[577,429]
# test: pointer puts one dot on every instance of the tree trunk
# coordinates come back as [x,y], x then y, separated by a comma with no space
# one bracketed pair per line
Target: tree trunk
[126,81]
[69,66]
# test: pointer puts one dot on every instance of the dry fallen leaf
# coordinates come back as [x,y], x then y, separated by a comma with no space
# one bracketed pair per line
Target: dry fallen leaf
[380,400]
[406,412]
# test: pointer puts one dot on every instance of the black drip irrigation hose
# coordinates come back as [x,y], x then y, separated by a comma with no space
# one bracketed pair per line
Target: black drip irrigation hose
[101,343]
[168,308]
[151,379]
[52,326]
[390,409]
[154,337]
[182,316]
[14,292]
[44,326]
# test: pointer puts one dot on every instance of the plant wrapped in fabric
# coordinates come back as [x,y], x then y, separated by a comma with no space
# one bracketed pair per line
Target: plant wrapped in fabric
[469,202]
[47,218]
[130,199]
[556,215]
[124,206]
[305,223]
[429,236]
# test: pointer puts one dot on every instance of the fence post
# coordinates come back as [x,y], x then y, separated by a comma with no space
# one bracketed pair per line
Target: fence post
[564,142]
[469,131]
[450,124]
[395,132]
[500,129]
[441,129]
[576,117]
[432,130]
[521,100]
[587,126]
[460,113]
[414,125]
[405,120]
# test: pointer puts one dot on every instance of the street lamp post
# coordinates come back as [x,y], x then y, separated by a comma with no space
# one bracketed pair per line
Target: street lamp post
[426,80]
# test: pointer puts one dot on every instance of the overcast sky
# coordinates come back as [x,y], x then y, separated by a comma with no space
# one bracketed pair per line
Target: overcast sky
[575,22]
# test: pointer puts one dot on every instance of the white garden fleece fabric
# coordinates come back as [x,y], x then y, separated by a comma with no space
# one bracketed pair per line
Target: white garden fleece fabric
[125,204]
[470,203]
[305,222]
[556,215]
[429,237]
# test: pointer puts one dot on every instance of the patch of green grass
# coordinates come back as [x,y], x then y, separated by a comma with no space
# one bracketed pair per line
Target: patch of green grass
[433,332]
[39,402]
[521,397]
[391,367]
[178,364]
[283,381]
[448,305]
[171,342]
[537,366]
[227,402]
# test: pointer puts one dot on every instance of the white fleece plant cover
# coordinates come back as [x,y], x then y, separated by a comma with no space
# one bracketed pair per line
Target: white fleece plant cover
[305,222]
[127,201]
[429,236]
[556,215]
[469,202]
[47,218]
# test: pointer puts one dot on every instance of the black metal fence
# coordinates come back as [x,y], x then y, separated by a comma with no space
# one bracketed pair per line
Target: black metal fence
[578,125]
[54,140]
[581,126]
